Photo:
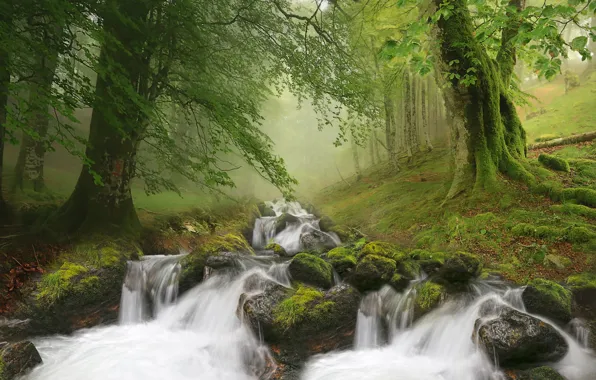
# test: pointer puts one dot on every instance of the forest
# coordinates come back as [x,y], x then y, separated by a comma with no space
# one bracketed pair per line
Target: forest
[298,189]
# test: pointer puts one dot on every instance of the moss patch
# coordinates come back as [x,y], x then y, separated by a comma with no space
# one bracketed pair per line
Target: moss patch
[312,270]
[381,248]
[582,195]
[429,295]
[582,281]
[575,234]
[292,310]
[342,259]
[373,271]
[276,248]
[549,299]
[54,285]
[574,209]
[553,162]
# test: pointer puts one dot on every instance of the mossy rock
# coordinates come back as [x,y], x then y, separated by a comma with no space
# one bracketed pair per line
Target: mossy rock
[345,233]
[312,270]
[283,220]
[543,373]
[429,295]
[554,163]
[342,259]
[582,281]
[549,299]
[582,195]
[399,282]
[461,267]
[305,320]
[80,289]
[583,288]
[372,272]
[276,248]
[409,269]
[326,224]
[265,210]
[381,248]
[17,359]
[429,262]
[557,261]
[193,264]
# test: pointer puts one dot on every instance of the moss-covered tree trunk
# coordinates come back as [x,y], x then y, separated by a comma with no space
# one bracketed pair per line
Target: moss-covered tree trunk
[390,130]
[30,163]
[102,198]
[5,22]
[489,137]
[407,110]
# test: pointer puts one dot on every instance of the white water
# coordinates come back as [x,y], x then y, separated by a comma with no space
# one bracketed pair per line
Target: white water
[439,346]
[199,337]
[289,238]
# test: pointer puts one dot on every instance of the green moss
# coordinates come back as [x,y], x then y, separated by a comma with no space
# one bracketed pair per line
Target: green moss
[428,296]
[575,234]
[551,189]
[582,195]
[543,373]
[409,269]
[293,309]
[574,209]
[341,258]
[553,292]
[226,243]
[580,235]
[2,376]
[553,162]
[276,248]
[582,281]
[312,270]
[421,254]
[54,285]
[380,248]
[373,271]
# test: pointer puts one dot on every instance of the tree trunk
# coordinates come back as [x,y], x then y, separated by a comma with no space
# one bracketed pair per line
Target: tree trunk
[424,111]
[408,115]
[6,20]
[371,148]
[573,139]
[390,130]
[29,167]
[355,157]
[489,135]
[102,199]
[592,47]
[415,126]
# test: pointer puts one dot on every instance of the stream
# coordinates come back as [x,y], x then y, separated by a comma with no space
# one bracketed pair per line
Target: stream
[201,334]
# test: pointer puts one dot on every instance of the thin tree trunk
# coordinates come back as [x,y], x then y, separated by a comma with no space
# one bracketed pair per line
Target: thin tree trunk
[371,148]
[355,157]
[424,111]
[390,131]
[592,47]
[117,125]
[414,132]
[489,137]
[29,167]
[408,115]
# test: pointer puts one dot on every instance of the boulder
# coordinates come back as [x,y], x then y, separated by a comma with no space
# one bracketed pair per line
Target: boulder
[345,233]
[429,295]
[372,272]
[409,269]
[548,299]
[429,262]
[326,224]
[460,267]
[277,249]
[312,270]
[298,323]
[381,248]
[265,210]
[538,373]
[283,220]
[516,338]
[342,259]
[583,289]
[316,241]
[17,359]
[223,260]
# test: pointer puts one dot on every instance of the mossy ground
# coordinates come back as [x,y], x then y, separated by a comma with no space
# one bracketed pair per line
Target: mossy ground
[409,209]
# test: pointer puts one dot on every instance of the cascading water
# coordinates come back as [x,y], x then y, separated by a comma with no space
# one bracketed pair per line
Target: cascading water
[200,336]
[292,235]
[439,346]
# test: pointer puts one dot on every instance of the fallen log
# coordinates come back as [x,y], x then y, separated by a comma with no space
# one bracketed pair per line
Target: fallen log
[573,139]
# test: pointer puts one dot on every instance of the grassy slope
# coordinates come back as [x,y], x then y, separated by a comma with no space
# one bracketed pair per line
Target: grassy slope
[408,209]
[566,113]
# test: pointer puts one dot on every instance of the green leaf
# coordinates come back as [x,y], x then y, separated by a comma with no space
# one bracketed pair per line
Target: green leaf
[579,43]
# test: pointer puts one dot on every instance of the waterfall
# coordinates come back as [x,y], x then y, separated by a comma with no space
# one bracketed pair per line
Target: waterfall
[291,236]
[198,335]
[580,331]
[438,346]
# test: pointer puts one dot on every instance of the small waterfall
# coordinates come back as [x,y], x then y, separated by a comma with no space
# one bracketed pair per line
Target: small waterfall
[291,236]
[151,281]
[581,332]
[438,346]
[197,335]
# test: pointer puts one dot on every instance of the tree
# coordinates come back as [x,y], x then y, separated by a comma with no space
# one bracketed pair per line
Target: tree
[409,123]
[424,97]
[5,23]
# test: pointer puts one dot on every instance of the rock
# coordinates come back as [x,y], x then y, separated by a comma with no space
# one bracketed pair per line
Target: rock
[381,248]
[259,308]
[429,262]
[193,264]
[548,299]
[372,272]
[346,234]
[312,270]
[265,210]
[557,261]
[460,267]
[538,373]
[342,259]
[316,241]
[283,220]
[583,289]
[399,282]
[326,224]
[409,269]
[516,338]
[429,295]
[223,260]
[17,359]
[299,323]
[276,249]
